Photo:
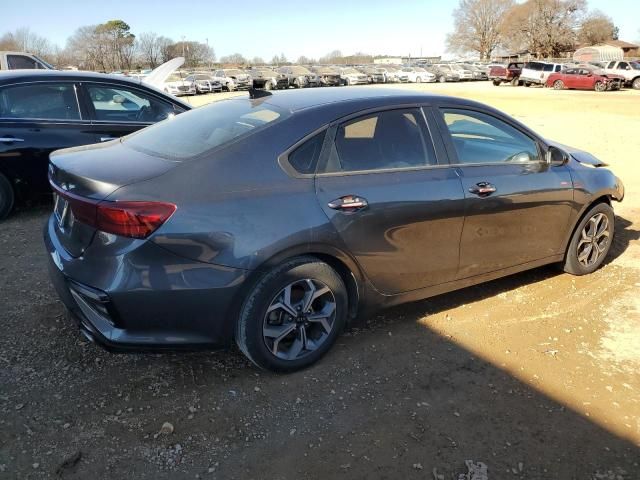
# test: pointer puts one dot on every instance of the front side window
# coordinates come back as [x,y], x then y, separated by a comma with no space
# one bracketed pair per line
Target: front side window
[481,138]
[384,140]
[45,101]
[113,103]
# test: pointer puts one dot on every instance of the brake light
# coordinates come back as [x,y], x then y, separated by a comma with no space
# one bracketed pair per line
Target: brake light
[132,219]
[127,218]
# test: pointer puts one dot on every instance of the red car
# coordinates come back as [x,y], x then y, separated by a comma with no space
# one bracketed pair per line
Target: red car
[584,78]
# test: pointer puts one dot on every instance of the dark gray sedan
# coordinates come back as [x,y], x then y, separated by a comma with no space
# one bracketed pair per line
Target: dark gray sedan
[274,221]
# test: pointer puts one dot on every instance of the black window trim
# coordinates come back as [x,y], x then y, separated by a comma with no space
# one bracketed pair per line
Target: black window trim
[64,121]
[92,111]
[451,150]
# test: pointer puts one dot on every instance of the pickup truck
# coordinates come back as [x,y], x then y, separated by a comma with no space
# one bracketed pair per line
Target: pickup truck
[629,70]
[22,61]
[509,74]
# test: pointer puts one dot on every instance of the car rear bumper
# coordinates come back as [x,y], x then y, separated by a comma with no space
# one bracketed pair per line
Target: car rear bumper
[147,299]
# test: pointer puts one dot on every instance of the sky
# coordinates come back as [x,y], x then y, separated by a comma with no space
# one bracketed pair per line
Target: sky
[264,29]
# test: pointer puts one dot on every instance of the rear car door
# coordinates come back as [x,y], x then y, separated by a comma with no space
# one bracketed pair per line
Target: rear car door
[37,118]
[517,205]
[117,110]
[397,210]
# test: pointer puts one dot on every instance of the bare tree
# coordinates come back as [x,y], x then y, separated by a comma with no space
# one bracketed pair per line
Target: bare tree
[234,58]
[24,40]
[596,28]
[332,57]
[478,26]
[546,28]
[150,49]
[258,61]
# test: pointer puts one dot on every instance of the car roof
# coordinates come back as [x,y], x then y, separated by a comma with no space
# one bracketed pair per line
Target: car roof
[359,98]
[13,76]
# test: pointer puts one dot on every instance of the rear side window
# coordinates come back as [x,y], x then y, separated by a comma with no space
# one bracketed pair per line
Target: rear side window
[537,66]
[19,62]
[304,158]
[202,129]
[46,101]
[392,139]
[481,138]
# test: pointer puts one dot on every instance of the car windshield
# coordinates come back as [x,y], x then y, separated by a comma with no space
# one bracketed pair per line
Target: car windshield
[233,72]
[202,77]
[350,70]
[635,65]
[193,133]
[324,70]
[174,77]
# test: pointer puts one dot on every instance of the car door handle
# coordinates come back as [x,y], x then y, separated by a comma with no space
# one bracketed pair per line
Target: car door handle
[348,204]
[107,139]
[11,139]
[483,189]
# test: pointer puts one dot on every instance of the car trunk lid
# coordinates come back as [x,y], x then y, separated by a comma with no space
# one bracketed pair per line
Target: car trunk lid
[83,177]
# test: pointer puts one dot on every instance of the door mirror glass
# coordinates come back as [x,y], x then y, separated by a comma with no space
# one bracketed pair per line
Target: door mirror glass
[556,156]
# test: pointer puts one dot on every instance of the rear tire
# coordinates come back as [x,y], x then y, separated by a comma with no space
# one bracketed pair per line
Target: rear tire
[635,84]
[7,197]
[267,334]
[497,83]
[442,79]
[600,87]
[515,81]
[591,241]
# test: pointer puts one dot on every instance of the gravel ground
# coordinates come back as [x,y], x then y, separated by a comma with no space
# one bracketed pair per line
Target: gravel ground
[533,376]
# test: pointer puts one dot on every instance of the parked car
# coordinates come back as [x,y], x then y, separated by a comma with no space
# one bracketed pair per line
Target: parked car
[233,79]
[443,75]
[374,74]
[22,61]
[419,75]
[585,78]
[268,79]
[329,77]
[204,83]
[176,85]
[300,77]
[351,76]
[630,71]
[509,74]
[537,73]
[394,74]
[166,240]
[44,110]
[464,72]
[476,72]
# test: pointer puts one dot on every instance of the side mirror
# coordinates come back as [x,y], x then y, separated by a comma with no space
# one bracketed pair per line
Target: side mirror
[556,156]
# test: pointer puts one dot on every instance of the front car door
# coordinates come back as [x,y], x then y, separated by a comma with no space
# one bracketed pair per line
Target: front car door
[118,110]
[397,210]
[37,118]
[517,205]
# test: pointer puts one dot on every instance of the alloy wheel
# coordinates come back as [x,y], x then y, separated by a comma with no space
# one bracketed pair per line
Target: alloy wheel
[594,240]
[600,87]
[558,84]
[299,319]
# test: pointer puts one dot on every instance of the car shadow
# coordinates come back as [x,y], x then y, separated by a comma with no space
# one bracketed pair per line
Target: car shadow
[624,235]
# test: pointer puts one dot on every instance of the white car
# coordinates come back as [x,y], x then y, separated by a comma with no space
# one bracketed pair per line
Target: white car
[464,73]
[351,76]
[629,70]
[418,75]
[537,73]
[176,85]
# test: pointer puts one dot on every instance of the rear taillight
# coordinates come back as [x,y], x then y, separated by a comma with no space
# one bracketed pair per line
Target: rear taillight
[132,219]
[126,218]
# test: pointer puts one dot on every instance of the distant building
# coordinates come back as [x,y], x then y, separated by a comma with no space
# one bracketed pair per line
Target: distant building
[403,60]
[629,49]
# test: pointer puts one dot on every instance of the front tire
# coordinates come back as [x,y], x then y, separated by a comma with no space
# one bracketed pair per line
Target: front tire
[558,85]
[293,315]
[591,241]
[600,87]
[636,84]
[497,83]
[7,197]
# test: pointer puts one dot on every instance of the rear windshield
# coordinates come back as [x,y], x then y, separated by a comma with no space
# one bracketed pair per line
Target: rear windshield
[193,133]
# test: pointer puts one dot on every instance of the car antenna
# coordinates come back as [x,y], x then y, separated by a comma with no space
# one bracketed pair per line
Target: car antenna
[258,93]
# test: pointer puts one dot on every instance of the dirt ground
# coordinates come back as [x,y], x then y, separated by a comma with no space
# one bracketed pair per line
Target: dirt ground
[534,376]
